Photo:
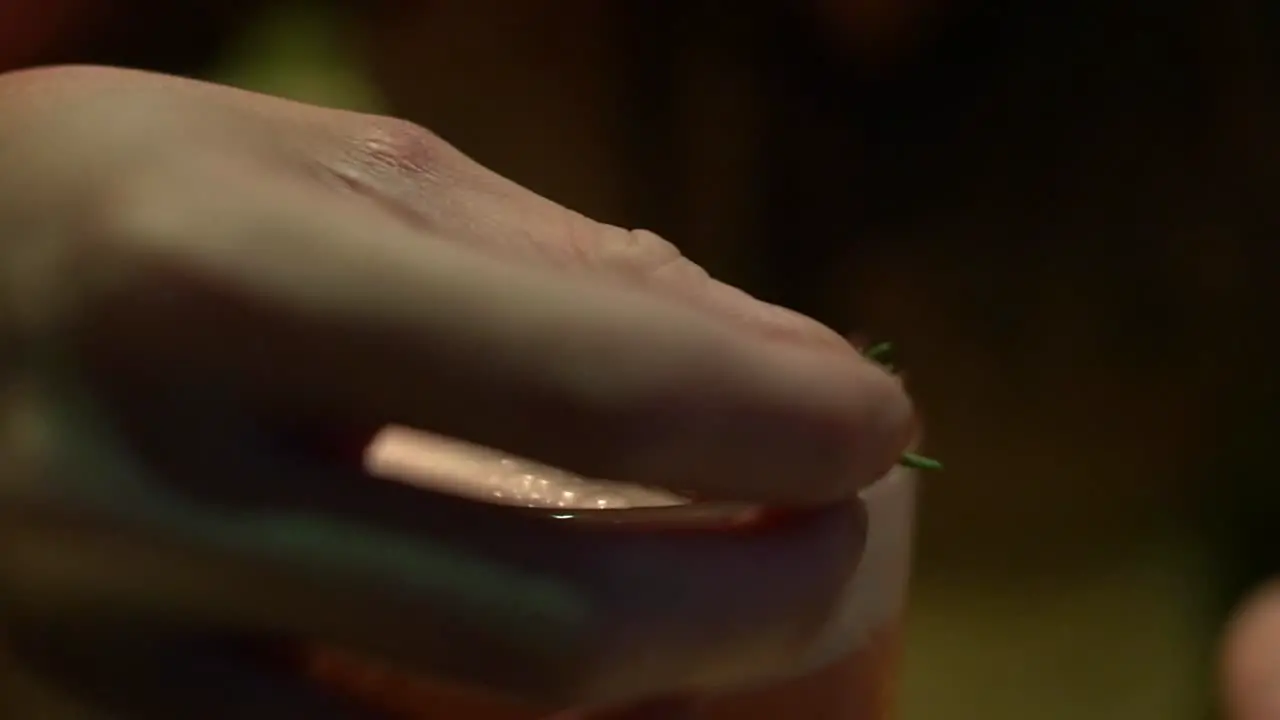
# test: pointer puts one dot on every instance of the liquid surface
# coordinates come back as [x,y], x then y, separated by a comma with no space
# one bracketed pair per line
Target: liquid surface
[449,466]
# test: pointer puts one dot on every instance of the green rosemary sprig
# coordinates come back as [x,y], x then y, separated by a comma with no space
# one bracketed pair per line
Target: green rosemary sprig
[879,354]
[918,462]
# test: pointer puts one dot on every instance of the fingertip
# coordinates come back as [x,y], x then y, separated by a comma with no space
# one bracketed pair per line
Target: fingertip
[888,423]
[874,419]
[892,420]
[792,426]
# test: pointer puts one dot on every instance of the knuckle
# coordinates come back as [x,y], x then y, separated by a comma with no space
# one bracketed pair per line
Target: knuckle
[662,258]
[382,145]
[398,159]
[638,254]
[647,258]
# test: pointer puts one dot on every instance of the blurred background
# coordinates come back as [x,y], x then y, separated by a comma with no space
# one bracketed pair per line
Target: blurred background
[1064,213]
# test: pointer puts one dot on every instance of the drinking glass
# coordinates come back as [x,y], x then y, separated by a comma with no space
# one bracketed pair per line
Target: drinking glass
[757,630]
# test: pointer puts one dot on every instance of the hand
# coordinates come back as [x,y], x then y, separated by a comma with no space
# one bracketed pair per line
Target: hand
[209,299]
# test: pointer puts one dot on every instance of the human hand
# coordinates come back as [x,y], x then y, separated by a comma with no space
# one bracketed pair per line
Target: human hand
[204,292]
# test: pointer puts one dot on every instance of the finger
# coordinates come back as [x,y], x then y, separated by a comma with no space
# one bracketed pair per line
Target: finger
[419,177]
[372,321]
[1251,658]
[411,174]
[416,176]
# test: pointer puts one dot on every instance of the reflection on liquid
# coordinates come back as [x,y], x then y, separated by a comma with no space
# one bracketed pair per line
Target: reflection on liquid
[451,466]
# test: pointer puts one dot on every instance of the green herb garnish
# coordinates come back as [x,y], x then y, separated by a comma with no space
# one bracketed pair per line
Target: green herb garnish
[919,462]
[879,354]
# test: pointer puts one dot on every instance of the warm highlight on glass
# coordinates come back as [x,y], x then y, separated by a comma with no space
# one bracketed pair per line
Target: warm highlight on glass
[845,668]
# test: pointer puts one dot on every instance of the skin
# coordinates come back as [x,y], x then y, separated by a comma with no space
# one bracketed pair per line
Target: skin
[207,297]
[1251,658]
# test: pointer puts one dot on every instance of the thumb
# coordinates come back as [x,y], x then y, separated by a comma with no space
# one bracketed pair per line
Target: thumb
[1251,658]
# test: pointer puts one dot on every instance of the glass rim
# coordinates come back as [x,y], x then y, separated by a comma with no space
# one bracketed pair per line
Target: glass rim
[696,514]
[479,461]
